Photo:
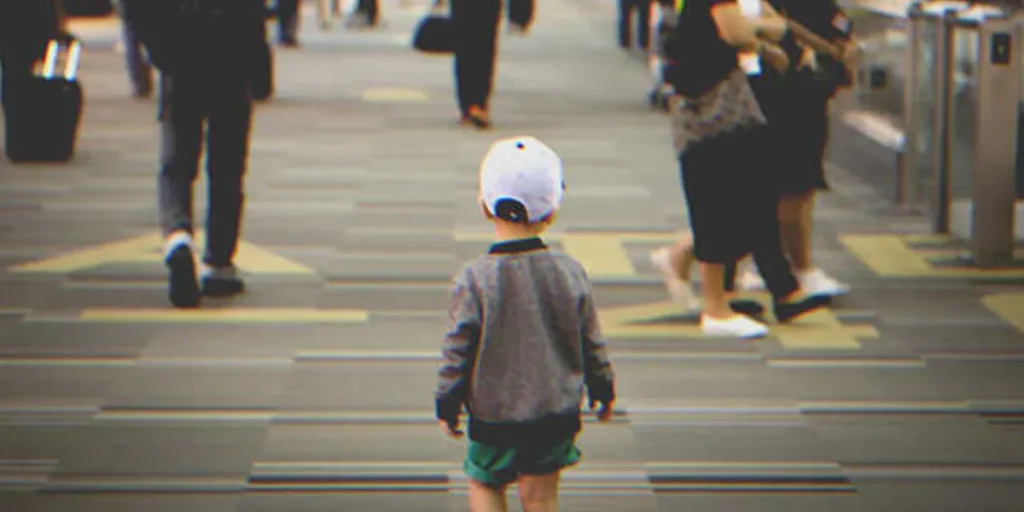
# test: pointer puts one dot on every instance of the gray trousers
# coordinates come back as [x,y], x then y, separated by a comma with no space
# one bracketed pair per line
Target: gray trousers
[218,112]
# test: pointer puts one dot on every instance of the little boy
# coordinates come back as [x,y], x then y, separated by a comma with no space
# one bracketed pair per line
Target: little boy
[523,340]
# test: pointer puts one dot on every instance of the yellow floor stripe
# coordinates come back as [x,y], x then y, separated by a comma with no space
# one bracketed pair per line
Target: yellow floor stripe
[891,256]
[1009,306]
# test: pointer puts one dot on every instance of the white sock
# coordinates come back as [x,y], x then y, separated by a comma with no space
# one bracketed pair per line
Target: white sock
[176,240]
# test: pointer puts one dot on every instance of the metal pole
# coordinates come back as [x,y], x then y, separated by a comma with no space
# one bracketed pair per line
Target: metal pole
[906,184]
[942,143]
[993,173]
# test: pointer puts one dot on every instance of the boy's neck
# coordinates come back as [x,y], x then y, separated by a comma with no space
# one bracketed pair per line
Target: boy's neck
[507,231]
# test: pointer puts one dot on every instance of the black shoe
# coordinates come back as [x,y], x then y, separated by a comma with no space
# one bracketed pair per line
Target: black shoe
[183,288]
[222,282]
[789,311]
[751,308]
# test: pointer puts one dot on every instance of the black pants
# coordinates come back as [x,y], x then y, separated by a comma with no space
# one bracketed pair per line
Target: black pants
[766,176]
[643,22]
[771,262]
[476,26]
[370,9]
[220,112]
[288,20]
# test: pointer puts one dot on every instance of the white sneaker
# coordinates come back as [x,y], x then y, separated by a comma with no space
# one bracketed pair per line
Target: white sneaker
[750,281]
[678,288]
[736,326]
[817,282]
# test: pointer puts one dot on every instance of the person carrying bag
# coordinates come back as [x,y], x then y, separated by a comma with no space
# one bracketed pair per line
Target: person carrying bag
[719,132]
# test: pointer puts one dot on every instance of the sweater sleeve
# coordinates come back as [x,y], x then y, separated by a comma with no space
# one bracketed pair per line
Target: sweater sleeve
[459,351]
[598,375]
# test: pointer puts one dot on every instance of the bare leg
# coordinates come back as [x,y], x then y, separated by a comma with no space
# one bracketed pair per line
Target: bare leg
[539,493]
[794,224]
[716,300]
[796,219]
[674,263]
[483,498]
[682,256]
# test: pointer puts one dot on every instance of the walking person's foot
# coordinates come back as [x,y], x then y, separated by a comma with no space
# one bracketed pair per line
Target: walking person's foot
[479,117]
[798,304]
[735,326]
[813,281]
[748,307]
[750,280]
[816,282]
[679,289]
[220,282]
[183,288]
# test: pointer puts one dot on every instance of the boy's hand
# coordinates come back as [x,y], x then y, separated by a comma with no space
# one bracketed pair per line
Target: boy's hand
[605,412]
[452,429]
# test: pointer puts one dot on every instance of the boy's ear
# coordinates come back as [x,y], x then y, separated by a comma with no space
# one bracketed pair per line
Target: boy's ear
[549,219]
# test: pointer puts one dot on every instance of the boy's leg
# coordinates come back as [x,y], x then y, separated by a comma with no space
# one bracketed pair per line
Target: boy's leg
[540,469]
[485,498]
[539,493]
[490,469]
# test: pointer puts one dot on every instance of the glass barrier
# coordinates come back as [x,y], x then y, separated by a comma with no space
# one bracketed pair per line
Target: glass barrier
[925,97]
[963,108]
[882,73]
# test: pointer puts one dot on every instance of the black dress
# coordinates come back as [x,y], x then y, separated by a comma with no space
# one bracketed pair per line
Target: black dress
[799,111]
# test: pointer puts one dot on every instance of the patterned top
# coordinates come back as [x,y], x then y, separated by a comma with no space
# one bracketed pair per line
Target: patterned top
[522,343]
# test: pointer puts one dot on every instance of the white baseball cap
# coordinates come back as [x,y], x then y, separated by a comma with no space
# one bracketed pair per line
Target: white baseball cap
[522,171]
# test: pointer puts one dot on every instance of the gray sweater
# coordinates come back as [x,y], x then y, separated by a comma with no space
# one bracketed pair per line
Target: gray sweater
[522,343]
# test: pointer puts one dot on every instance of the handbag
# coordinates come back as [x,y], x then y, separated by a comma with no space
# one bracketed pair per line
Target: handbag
[705,108]
[435,33]
[729,106]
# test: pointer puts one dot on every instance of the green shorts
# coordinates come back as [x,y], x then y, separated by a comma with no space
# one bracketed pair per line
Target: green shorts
[497,466]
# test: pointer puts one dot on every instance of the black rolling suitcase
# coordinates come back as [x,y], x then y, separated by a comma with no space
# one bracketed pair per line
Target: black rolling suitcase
[42,120]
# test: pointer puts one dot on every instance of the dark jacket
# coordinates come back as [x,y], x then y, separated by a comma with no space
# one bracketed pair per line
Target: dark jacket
[212,39]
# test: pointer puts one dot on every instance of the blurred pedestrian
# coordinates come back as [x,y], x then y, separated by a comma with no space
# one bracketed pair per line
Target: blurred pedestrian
[205,53]
[289,14]
[804,125]
[476,39]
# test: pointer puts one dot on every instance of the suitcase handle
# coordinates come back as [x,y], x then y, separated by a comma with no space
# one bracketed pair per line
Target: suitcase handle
[70,66]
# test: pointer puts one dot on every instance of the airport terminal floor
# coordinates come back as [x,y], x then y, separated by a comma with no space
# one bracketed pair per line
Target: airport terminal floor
[313,391]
